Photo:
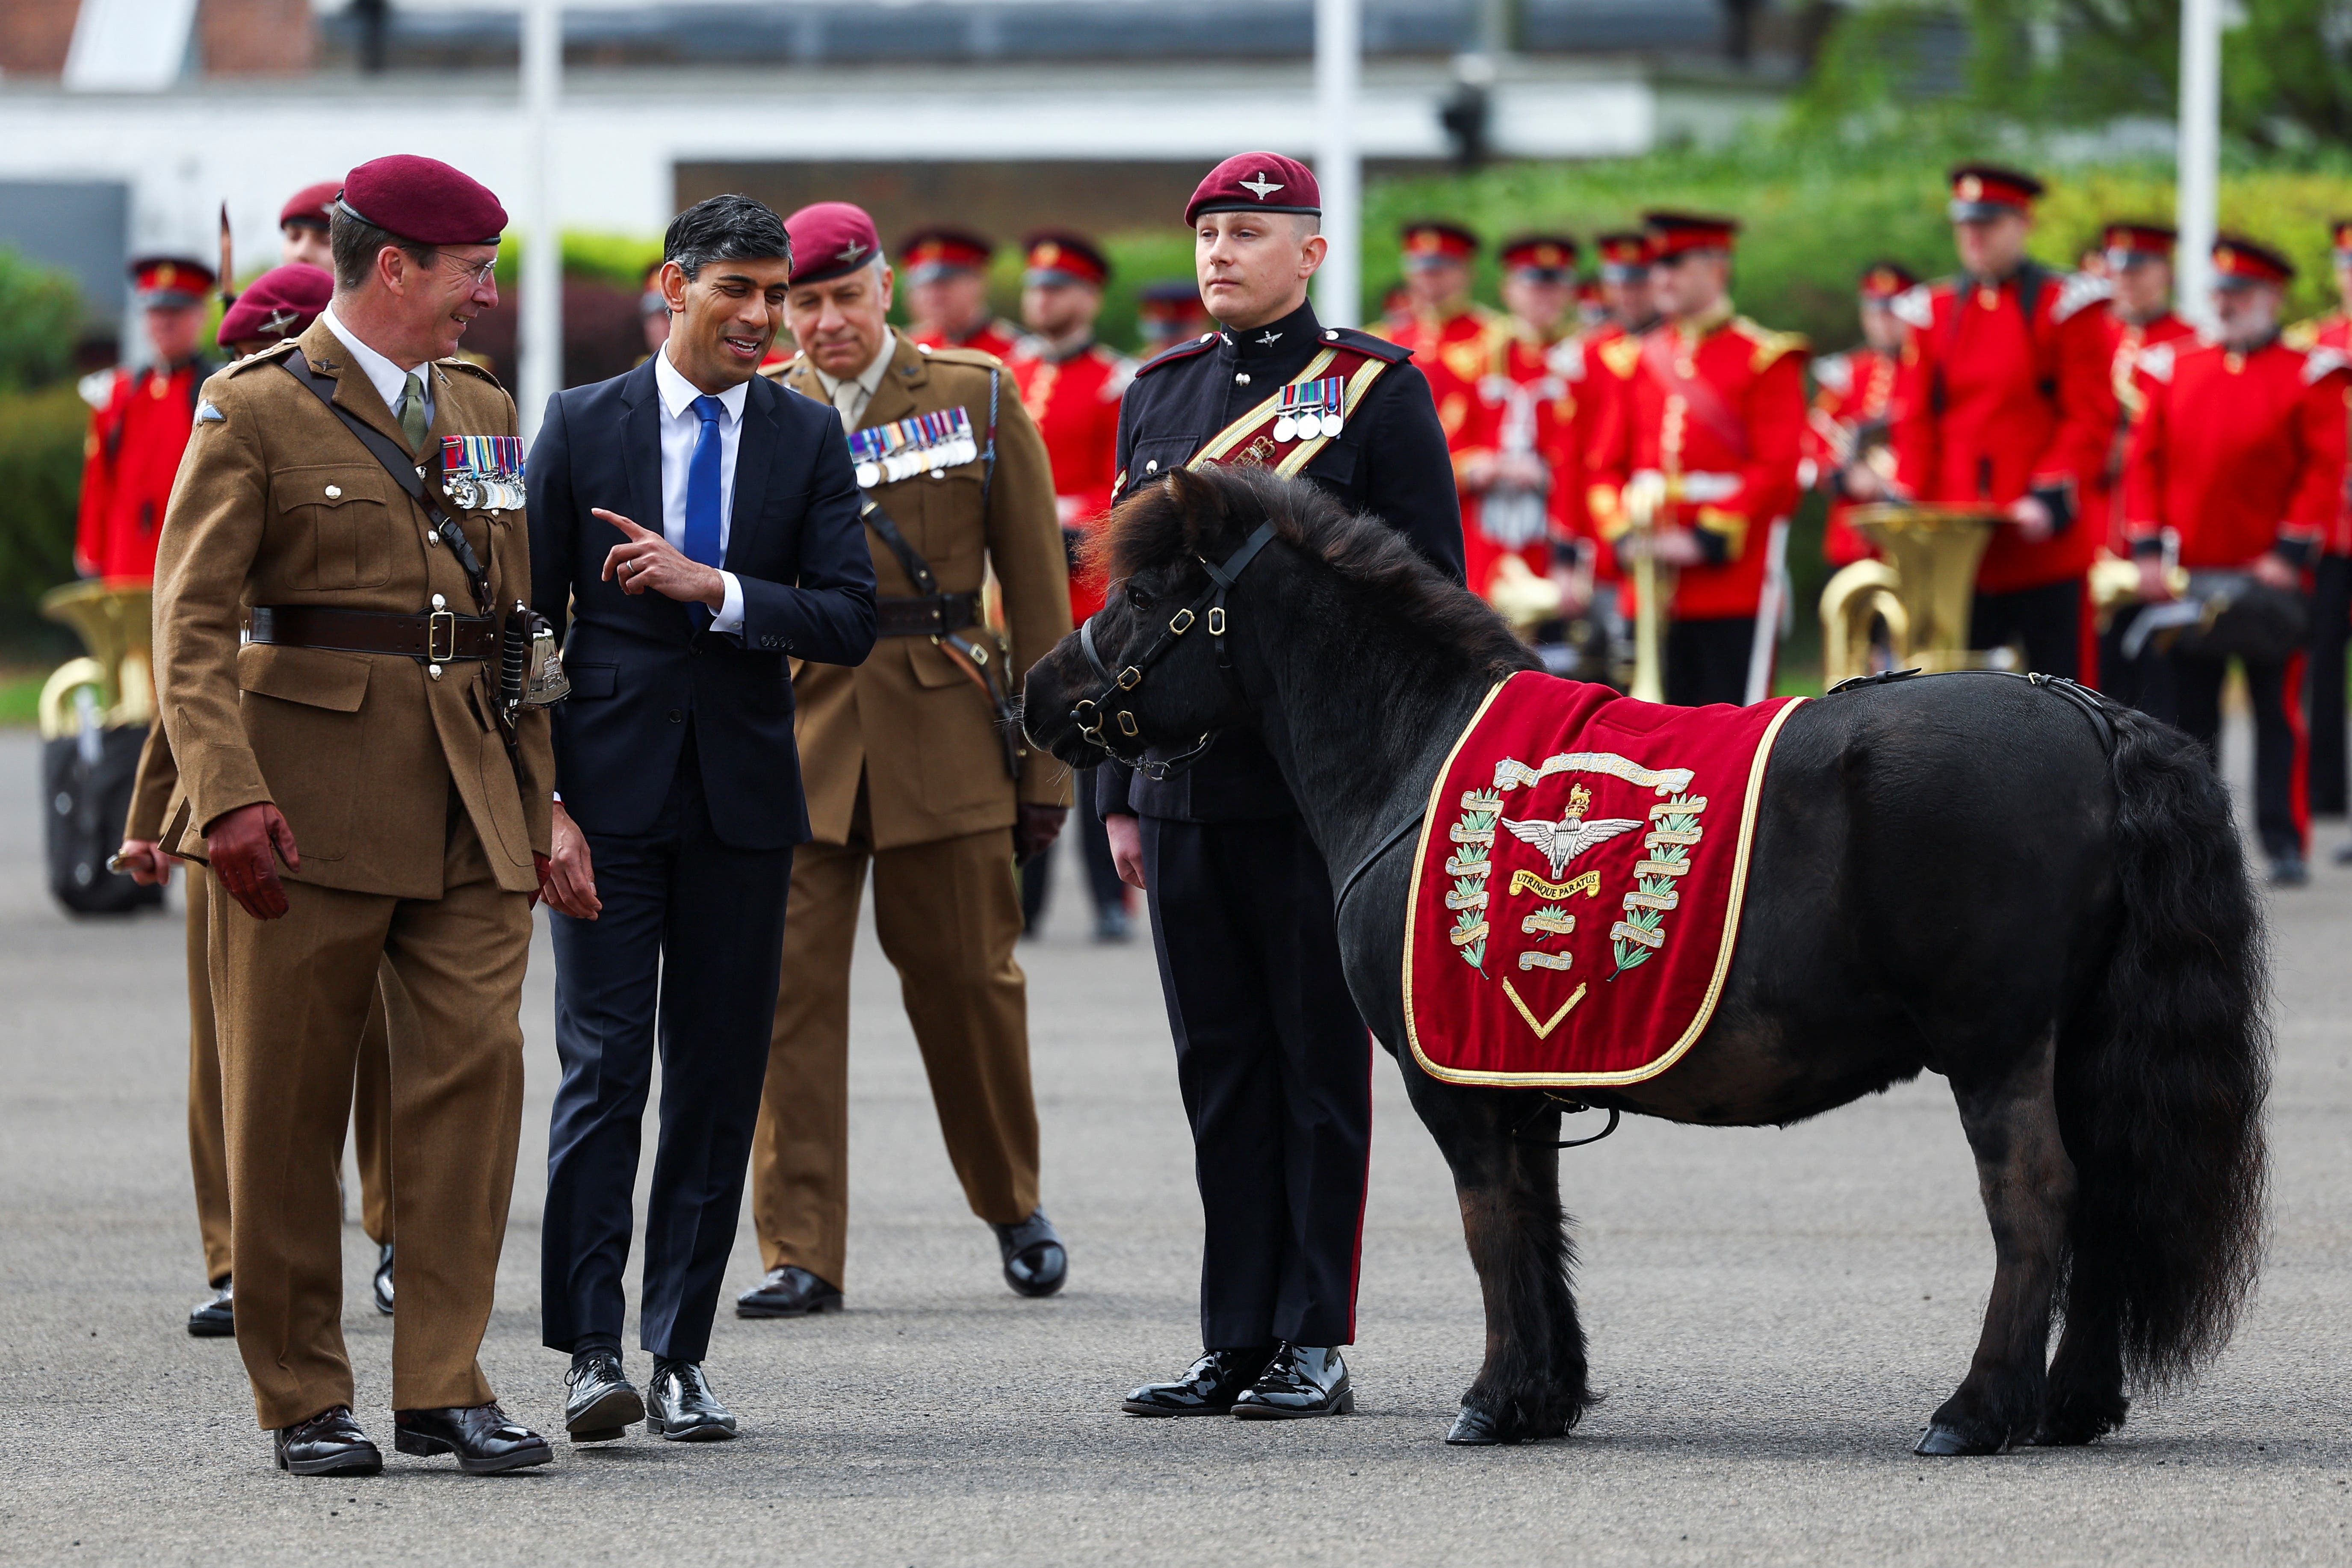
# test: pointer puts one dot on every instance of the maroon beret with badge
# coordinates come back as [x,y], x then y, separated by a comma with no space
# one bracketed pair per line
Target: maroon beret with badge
[1256,182]
[422,201]
[830,239]
[281,303]
[310,207]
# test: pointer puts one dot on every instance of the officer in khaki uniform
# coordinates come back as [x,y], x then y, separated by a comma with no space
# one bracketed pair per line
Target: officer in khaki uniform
[905,768]
[281,303]
[346,779]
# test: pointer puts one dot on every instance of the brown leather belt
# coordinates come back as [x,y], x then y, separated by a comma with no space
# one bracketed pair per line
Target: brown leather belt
[439,636]
[925,614]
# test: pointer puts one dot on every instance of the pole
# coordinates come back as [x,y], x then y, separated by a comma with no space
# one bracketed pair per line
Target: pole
[542,256]
[2200,156]
[1339,165]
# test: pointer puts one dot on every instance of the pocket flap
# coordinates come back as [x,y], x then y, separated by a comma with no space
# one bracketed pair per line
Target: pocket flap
[593,680]
[328,486]
[315,676]
[934,666]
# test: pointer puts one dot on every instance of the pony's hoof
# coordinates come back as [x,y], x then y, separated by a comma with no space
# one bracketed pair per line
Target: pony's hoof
[1475,1428]
[1950,1442]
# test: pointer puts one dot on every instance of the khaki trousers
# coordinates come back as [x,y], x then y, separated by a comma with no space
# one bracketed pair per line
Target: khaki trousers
[292,996]
[949,914]
[207,1146]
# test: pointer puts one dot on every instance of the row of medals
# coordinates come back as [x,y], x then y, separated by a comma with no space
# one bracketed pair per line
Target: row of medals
[1310,409]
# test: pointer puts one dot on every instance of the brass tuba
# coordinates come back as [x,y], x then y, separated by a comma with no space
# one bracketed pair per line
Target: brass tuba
[1921,593]
[112,618]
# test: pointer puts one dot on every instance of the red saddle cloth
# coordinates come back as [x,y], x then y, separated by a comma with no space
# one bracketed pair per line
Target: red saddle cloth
[1577,890]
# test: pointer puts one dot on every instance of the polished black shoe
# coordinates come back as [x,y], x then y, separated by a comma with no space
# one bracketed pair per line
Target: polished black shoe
[1036,1262]
[788,1292]
[680,1407]
[602,1405]
[215,1317]
[2290,870]
[485,1439]
[329,1444]
[1208,1387]
[1303,1380]
[383,1281]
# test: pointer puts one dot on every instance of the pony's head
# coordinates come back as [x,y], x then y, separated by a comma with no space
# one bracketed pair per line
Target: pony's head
[1158,665]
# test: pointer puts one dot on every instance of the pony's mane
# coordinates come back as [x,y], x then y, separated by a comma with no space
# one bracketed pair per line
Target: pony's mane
[1209,511]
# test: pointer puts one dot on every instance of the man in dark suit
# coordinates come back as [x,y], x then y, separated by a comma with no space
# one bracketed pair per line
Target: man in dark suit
[698,525]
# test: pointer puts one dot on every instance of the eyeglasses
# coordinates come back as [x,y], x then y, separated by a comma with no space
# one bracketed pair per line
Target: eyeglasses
[475,275]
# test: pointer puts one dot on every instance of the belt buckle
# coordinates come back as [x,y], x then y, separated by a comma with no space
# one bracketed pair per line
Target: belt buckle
[439,623]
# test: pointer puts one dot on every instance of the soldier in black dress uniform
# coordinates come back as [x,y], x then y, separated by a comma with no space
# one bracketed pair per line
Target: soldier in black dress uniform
[1273,1062]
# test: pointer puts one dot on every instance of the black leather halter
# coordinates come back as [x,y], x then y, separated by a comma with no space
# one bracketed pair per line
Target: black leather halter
[1088,713]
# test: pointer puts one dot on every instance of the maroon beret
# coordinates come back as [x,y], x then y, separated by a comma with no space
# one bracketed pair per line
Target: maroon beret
[830,239]
[281,303]
[1256,182]
[422,200]
[310,206]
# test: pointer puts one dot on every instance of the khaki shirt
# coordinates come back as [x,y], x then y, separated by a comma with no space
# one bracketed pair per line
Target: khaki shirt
[908,721]
[277,503]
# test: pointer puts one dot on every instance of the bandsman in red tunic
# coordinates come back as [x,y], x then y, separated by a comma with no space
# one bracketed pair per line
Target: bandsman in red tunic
[1071,384]
[2236,466]
[1166,313]
[1447,332]
[1603,361]
[947,293]
[1708,424]
[140,430]
[2331,592]
[2005,404]
[1845,449]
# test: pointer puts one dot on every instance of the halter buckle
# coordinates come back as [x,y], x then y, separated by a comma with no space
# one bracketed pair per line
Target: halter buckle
[1216,620]
[1126,725]
[1130,679]
[1182,622]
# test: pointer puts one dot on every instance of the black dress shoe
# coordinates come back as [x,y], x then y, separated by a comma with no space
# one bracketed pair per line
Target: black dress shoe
[1208,1387]
[329,1444]
[680,1407]
[602,1405]
[485,1439]
[383,1281]
[788,1292]
[215,1317]
[1036,1262]
[1304,1380]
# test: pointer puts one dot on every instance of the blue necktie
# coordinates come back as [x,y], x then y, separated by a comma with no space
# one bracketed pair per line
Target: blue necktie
[702,486]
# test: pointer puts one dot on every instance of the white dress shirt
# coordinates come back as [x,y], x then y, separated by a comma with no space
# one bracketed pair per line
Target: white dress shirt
[851,396]
[681,426]
[389,380]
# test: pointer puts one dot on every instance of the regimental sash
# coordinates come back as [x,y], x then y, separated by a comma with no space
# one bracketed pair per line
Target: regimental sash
[885,454]
[483,473]
[1303,416]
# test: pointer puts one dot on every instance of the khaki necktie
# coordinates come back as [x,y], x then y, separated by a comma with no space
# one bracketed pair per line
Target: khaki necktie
[849,397]
[412,412]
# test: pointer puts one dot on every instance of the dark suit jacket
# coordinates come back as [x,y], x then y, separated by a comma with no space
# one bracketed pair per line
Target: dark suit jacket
[640,668]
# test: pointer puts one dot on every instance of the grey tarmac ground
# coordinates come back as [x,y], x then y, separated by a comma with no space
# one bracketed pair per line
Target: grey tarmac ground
[1773,1314]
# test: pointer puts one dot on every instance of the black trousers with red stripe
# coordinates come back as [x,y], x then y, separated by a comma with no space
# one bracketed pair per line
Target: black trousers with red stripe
[2281,798]
[1276,1070]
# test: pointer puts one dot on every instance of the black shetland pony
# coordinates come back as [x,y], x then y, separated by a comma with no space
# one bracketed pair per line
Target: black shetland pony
[2045,900]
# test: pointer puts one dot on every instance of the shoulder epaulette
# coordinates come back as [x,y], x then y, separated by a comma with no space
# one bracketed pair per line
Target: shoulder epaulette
[975,359]
[1834,372]
[1365,343]
[2304,335]
[1916,305]
[2320,362]
[1175,351]
[457,362]
[1621,355]
[2076,290]
[1769,345]
[275,352]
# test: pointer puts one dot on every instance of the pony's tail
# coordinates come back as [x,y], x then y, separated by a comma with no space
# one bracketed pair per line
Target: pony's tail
[2161,1076]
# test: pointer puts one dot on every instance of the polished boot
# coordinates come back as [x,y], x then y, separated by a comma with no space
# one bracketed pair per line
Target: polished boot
[1036,1262]
[789,1291]
[383,1281]
[482,1437]
[329,1444]
[680,1407]
[1208,1387]
[1303,1380]
[602,1405]
[215,1317]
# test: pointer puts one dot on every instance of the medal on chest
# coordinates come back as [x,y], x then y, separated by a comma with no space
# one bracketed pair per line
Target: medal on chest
[483,473]
[1311,408]
[886,454]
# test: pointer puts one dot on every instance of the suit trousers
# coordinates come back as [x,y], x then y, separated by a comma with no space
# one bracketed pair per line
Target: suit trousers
[1276,1070]
[291,996]
[1706,662]
[1085,824]
[2046,622]
[948,914]
[2331,630]
[208,1148]
[2282,797]
[683,956]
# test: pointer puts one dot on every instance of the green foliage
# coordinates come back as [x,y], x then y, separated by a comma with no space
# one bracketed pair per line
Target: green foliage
[41,435]
[616,259]
[41,318]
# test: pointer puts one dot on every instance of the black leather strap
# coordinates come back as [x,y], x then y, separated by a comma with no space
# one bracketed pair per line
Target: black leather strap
[925,615]
[436,638]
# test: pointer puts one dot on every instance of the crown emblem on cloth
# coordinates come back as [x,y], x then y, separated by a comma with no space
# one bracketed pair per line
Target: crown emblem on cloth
[1578,799]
